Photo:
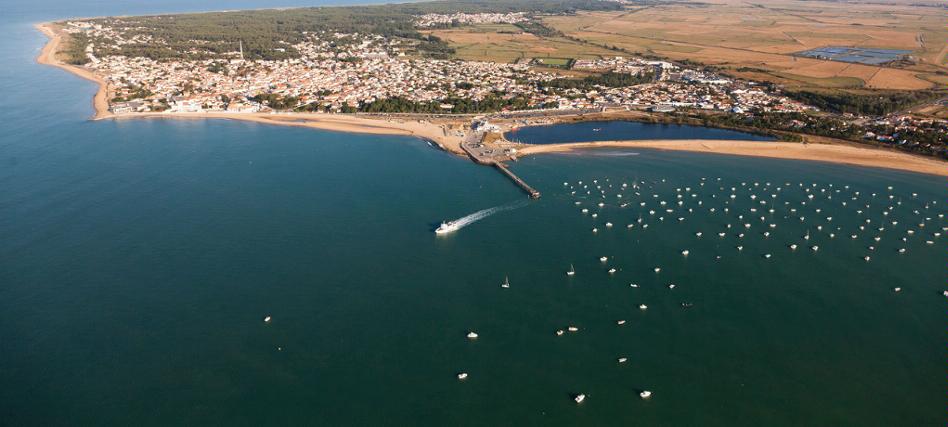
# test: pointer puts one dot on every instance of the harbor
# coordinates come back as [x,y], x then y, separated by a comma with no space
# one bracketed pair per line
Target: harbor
[492,149]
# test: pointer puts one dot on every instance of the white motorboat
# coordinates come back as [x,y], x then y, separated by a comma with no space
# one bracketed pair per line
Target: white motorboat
[447,227]
[472,335]
[645,394]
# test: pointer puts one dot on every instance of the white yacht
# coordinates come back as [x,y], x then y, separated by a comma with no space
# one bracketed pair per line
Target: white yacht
[506,283]
[472,335]
[462,376]
[572,271]
[447,227]
[645,394]
[580,398]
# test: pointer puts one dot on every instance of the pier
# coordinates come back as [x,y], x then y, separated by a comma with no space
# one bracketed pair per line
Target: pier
[494,155]
[534,194]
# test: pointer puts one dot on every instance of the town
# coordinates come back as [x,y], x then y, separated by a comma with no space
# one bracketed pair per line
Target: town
[337,72]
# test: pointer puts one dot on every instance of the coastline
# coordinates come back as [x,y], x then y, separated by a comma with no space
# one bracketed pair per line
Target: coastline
[828,153]
[443,131]
[47,56]
[435,132]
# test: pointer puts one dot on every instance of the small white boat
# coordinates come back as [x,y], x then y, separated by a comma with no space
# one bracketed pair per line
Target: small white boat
[572,271]
[603,259]
[643,307]
[645,394]
[620,322]
[608,224]
[793,246]
[633,285]
[658,269]
[671,286]
[572,329]
[612,271]
[447,227]
[266,319]
[897,289]
[623,359]
[472,335]
[560,332]
[685,252]
[506,283]
[462,376]
[579,398]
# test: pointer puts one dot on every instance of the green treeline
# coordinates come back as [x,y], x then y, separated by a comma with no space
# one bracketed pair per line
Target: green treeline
[870,104]
[538,29]
[276,101]
[608,79]
[490,103]
[74,49]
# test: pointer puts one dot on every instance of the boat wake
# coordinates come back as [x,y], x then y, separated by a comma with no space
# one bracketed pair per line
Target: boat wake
[452,226]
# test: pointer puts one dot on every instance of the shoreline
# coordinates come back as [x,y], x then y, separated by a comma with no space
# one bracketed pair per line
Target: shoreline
[826,153]
[47,56]
[444,131]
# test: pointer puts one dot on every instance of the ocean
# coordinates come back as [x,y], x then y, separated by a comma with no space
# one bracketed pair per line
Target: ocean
[138,260]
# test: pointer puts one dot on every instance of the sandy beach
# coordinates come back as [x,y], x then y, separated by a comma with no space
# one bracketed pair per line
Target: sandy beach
[832,153]
[442,131]
[48,57]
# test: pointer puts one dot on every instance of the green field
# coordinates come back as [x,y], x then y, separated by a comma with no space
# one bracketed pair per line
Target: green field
[555,62]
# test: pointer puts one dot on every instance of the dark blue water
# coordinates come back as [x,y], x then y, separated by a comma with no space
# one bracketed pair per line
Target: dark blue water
[621,130]
[138,259]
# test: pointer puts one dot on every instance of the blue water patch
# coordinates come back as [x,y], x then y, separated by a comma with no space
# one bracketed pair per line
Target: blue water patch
[870,56]
[622,130]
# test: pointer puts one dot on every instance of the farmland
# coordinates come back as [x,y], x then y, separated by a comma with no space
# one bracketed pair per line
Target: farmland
[762,41]
[507,43]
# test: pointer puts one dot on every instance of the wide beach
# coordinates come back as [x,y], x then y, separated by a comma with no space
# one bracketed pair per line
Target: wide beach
[833,153]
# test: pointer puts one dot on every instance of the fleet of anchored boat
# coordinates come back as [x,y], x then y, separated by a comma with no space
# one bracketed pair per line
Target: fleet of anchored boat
[745,210]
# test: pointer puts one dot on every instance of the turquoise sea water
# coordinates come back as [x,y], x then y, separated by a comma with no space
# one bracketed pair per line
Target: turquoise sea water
[138,259]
